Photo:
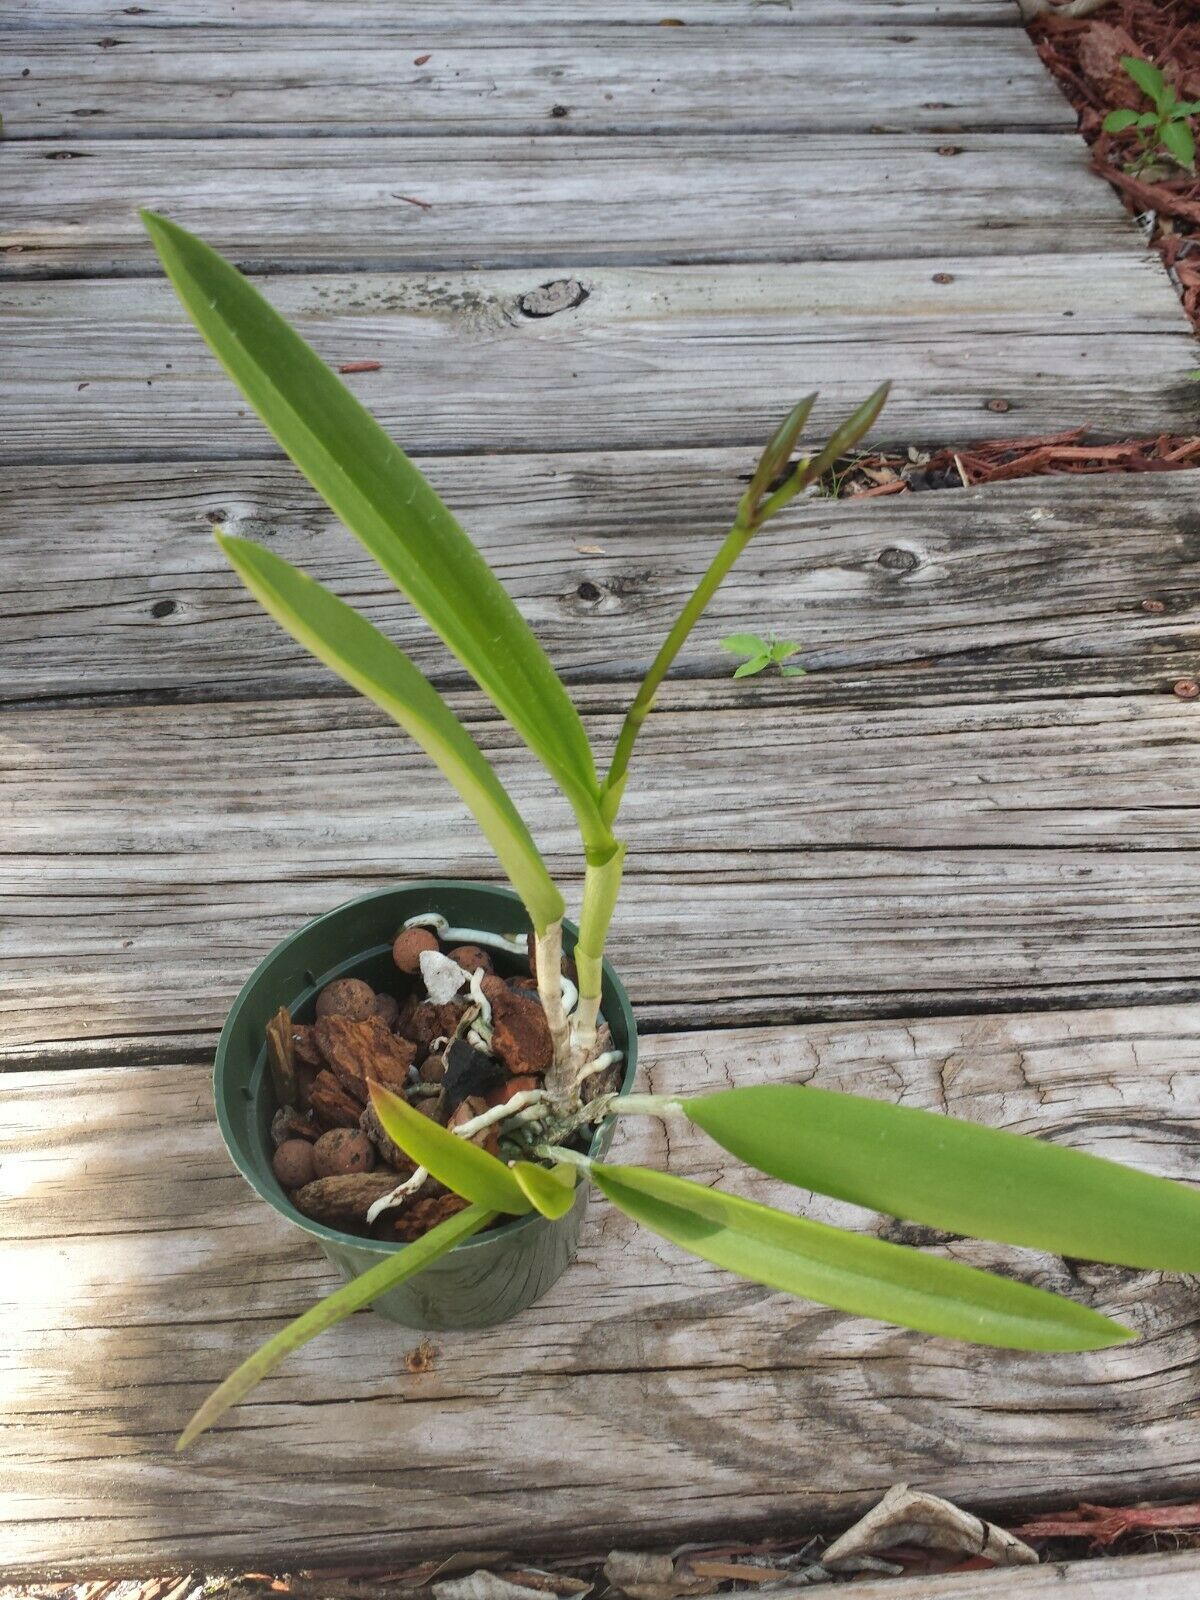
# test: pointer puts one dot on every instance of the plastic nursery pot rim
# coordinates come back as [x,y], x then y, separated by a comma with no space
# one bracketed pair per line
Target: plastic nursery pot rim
[266,1186]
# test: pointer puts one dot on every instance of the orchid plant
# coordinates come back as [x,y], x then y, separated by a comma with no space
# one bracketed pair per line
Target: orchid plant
[912,1164]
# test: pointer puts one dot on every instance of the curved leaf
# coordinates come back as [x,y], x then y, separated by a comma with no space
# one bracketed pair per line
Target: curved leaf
[1148,77]
[335,1308]
[853,1273]
[372,664]
[956,1175]
[456,1162]
[551,1190]
[385,502]
[1180,142]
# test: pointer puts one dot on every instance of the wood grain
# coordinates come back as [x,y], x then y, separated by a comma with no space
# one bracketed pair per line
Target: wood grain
[982,798]
[553,202]
[453,16]
[648,1398]
[1157,1577]
[875,863]
[489,78]
[112,583]
[692,356]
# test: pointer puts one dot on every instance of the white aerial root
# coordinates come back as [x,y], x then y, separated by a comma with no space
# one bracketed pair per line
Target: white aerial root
[513,946]
[398,1195]
[477,994]
[488,1119]
[600,1064]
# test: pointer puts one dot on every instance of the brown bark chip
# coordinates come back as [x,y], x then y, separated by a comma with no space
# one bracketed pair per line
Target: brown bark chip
[429,1022]
[331,1105]
[418,1216]
[345,1200]
[521,1036]
[388,1149]
[361,1052]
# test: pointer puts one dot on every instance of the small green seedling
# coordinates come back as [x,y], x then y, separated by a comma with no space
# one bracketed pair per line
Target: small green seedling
[893,1159]
[761,653]
[1165,132]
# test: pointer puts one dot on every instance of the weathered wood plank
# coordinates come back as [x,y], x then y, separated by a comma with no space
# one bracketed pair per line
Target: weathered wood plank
[1159,1577]
[865,863]
[432,17]
[1106,773]
[112,582]
[544,202]
[649,1397]
[694,356]
[547,201]
[149,84]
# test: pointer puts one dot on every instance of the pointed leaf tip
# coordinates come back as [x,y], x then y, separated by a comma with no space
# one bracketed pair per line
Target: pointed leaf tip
[551,1190]
[406,1262]
[462,1166]
[854,1272]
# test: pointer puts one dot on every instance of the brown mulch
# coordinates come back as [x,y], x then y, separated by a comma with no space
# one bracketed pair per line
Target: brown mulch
[1084,55]
[994,460]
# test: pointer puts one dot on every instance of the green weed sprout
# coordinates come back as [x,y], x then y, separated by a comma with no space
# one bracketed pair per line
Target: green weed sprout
[1164,132]
[762,653]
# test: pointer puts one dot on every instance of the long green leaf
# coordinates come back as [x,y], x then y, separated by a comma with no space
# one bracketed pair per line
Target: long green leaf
[372,664]
[386,502]
[335,1308]
[456,1162]
[956,1175]
[853,1273]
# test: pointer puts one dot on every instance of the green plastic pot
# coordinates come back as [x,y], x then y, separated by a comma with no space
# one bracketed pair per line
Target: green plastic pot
[484,1280]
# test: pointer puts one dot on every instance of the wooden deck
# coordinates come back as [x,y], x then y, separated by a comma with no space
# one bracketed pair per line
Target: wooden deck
[957,865]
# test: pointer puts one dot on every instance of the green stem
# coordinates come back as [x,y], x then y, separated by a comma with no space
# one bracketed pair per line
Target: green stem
[601,885]
[734,543]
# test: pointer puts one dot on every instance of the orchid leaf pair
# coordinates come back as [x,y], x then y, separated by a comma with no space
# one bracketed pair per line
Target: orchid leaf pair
[897,1160]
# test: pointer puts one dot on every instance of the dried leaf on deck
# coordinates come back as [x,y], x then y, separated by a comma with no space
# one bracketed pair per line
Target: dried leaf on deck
[646,1575]
[483,1586]
[910,1517]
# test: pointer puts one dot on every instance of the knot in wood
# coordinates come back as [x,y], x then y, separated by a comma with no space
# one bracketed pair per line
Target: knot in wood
[560,294]
[897,560]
